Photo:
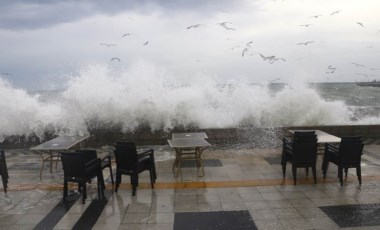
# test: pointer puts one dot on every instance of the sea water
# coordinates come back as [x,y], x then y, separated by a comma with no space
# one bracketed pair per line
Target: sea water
[151,97]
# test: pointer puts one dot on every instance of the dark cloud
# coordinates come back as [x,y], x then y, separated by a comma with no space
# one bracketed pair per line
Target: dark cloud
[34,14]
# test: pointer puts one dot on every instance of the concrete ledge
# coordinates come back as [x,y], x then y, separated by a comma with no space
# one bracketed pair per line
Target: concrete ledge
[249,136]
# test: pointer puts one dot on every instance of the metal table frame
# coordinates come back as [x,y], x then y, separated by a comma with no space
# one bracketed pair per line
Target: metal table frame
[51,148]
[188,148]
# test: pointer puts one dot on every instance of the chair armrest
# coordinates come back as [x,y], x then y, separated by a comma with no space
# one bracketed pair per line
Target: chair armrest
[92,162]
[106,157]
[331,148]
[148,152]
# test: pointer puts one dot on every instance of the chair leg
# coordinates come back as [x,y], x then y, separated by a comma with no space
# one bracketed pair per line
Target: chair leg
[5,182]
[359,174]
[325,165]
[134,179]
[151,178]
[118,181]
[345,172]
[307,171]
[84,194]
[314,169]
[101,185]
[283,164]
[340,175]
[111,175]
[65,190]
[294,171]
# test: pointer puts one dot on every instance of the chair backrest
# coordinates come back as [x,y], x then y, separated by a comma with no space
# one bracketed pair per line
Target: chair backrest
[305,149]
[125,155]
[352,139]
[351,150]
[73,165]
[87,154]
[302,134]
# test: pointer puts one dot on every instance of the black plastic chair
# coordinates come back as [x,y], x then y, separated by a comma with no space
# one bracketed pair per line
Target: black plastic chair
[3,170]
[77,169]
[347,155]
[90,154]
[301,152]
[132,163]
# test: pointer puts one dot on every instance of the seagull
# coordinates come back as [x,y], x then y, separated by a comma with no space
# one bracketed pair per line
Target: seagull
[194,26]
[267,57]
[249,44]
[244,51]
[360,24]
[115,59]
[273,60]
[305,43]
[224,25]
[107,44]
[316,16]
[331,68]
[146,43]
[306,25]
[335,12]
[357,65]
[125,35]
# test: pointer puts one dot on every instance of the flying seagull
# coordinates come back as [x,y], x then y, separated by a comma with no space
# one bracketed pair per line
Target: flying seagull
[115,59]
[146,43]
[306,25]
[107,44]
[305,43]
[357,65]
[335,12]
[267,57]
[360,24]
[273,60]
[244,51]
[249,44]
[125,35]
[225,26]
[331,69]
[194,26]
[316,16]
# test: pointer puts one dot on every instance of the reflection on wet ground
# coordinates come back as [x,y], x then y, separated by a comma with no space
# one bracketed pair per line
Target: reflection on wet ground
[240,185]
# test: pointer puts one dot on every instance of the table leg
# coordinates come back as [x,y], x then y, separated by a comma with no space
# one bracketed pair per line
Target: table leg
[199,160]
[177,161]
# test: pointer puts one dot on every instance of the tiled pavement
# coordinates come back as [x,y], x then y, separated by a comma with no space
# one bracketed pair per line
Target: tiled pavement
[241,189]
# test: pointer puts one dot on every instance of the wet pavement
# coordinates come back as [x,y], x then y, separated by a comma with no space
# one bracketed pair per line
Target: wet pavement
[241,189]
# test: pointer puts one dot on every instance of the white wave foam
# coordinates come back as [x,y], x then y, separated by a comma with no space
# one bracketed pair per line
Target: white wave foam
[146,94]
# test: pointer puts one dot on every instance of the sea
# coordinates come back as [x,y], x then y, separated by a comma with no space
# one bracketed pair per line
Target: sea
[161,103]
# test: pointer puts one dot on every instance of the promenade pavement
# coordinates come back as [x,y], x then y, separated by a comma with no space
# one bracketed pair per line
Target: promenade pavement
[243,188]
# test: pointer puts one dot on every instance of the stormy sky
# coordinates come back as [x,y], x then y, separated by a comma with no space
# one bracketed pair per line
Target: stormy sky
[43,43]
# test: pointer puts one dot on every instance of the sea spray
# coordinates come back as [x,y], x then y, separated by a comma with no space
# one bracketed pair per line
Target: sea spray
[145,95]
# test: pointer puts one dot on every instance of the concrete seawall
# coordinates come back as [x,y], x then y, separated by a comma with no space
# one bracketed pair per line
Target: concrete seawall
[251,136]
[255,137]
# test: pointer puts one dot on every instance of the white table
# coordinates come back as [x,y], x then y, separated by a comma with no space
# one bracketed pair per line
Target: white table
[197,135]
[51,148]
[190,147]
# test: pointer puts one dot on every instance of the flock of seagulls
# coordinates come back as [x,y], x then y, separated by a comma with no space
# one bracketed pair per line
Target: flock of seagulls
[246,48]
